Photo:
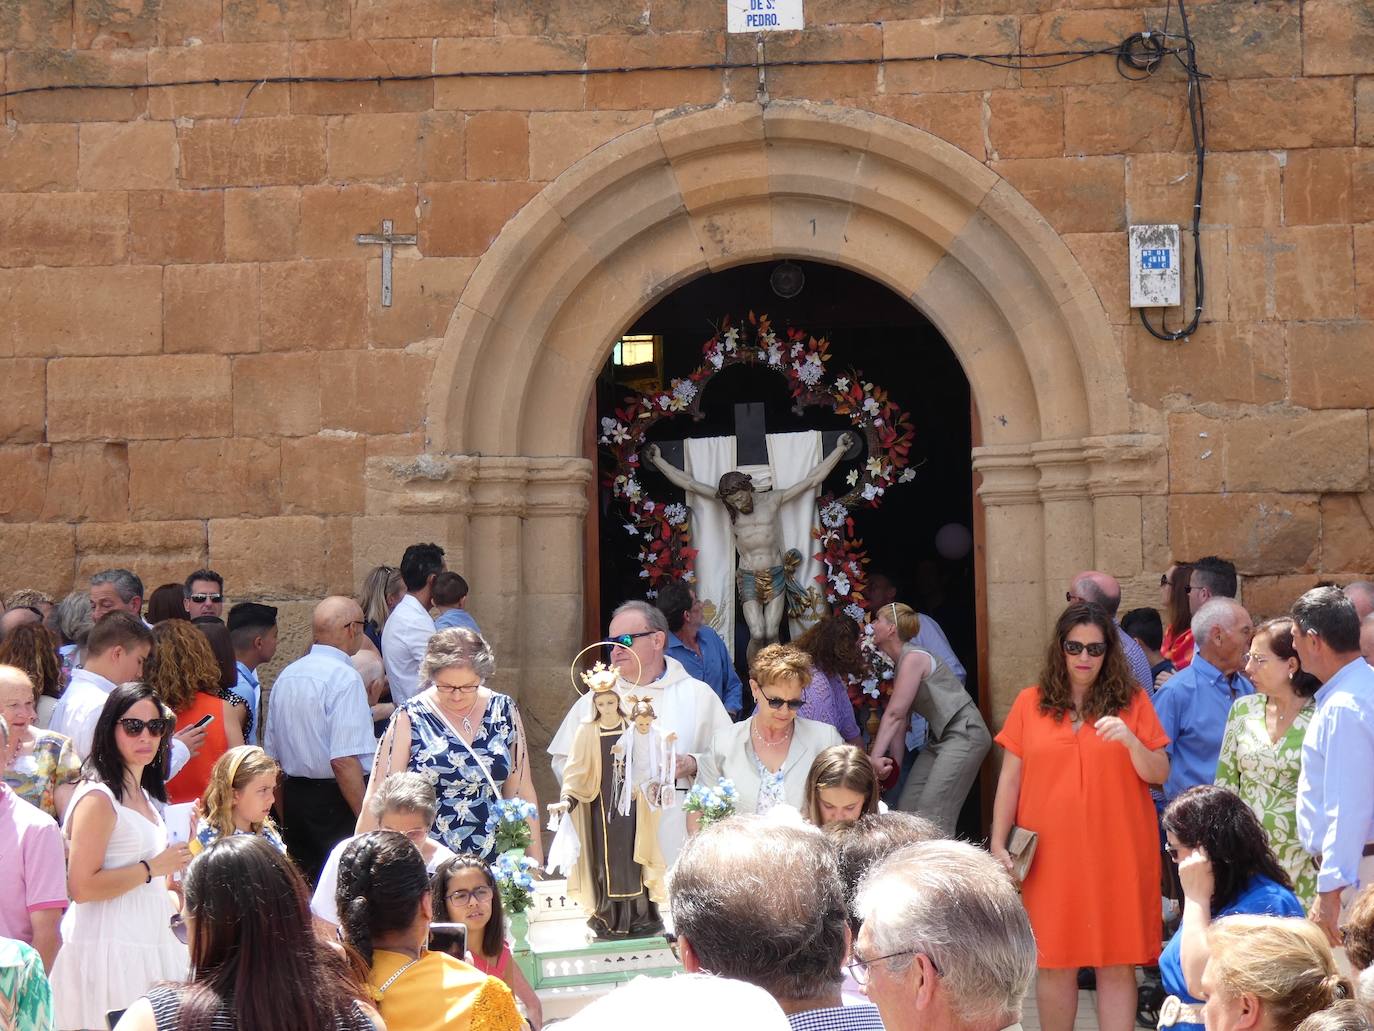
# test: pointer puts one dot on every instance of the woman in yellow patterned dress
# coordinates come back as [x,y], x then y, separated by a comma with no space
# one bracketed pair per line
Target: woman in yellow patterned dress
[1261,752]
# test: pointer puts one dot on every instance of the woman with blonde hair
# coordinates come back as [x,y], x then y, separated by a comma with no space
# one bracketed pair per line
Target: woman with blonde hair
[182,669]
[238,799]
[958,740]
[381,590]
[1268,973]
[842,786]
[32,647]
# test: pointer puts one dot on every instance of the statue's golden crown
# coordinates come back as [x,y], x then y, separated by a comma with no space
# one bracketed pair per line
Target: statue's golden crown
[601,677]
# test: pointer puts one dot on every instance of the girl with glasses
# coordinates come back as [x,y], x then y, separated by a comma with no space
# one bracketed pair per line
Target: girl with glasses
[769,755]
[1081,749]
[118,940]
[958,740]
[465,892]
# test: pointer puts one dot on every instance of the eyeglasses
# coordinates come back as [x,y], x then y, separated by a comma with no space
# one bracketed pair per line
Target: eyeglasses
[462,896]
[134,727]
[201,599]
[458,688]
[1070,597]
[859,968]
[178,927]
[1164,580]
[1256,658]
[628,640]
[416,836]
[794,704]
[1095,648]
[355,622]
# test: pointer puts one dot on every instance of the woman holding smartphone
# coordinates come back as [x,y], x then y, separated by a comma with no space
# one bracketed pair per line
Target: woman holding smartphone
[119,940]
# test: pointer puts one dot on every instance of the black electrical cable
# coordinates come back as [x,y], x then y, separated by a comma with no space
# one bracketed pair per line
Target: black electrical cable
[1015,60]
[1197,120]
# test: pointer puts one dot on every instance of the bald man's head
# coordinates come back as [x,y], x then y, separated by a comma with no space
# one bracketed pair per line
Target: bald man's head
[338,622]
[1367,638]
[1097,588]
[1361,595]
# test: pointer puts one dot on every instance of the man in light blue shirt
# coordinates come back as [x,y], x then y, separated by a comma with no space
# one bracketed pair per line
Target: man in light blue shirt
[319,729]
[1103,589]
[1194,703]
[253,633]
[1336,784]
[700,649]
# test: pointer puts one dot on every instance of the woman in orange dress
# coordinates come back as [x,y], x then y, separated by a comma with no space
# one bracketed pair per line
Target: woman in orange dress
[1082,748]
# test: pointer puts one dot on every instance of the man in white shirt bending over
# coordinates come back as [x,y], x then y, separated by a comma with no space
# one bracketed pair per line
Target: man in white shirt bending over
[409,627]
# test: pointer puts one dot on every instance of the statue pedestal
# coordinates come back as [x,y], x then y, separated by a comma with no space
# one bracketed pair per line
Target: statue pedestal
[568,968]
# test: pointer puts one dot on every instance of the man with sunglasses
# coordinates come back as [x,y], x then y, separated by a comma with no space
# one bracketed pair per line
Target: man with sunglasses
[203,594]
[638,640]
[945,943]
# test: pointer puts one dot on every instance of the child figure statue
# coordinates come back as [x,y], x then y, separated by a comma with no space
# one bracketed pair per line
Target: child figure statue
[650,759]
[618,876]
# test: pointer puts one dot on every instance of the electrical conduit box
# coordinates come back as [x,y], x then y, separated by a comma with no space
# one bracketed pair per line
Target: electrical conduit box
[1156,259]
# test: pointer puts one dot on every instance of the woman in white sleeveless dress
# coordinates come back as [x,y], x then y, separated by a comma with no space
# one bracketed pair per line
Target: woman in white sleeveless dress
[117,938]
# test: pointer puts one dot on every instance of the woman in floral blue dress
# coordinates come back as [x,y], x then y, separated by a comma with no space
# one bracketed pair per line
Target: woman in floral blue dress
[466,739]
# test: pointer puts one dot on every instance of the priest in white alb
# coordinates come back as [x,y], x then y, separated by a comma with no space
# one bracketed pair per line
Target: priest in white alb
[684,706]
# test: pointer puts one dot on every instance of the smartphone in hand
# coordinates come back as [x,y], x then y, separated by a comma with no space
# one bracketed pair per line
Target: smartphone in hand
[450,938]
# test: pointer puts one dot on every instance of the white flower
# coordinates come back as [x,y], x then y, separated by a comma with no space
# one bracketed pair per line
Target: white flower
[663,401]
[907,475]
[834,514]
[810,373]
[644,574]
[684,390]
[676,513]
[612,432]
[852,478]
[841,584]
[632,489]
[716,359]
[870,686]
[769,337]
[775,356]
[874,466]
[871,491]
[650,504]
[854,611]
[631,529]
[830,598]
[868,630]
[797,348]
[871,406]
[651,594]
[731,340]
[689,577]
[842,384]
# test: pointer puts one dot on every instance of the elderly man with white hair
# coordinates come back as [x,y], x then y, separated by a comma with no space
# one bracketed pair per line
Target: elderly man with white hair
[945,943]
[1193,705]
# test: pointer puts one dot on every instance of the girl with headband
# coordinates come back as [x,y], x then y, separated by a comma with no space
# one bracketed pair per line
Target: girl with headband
[238,799]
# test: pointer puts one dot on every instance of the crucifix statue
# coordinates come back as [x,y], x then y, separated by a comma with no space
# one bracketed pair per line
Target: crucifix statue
[761,577]
[387,239]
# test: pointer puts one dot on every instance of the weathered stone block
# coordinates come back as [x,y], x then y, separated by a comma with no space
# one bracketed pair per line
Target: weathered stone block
[1317,186]
[54,67]
[374,391]
[956,118]
[568,17]
[24,474]
[1331,364]
[498,145]
[459,219]
[637,90]
[200,479]
[1302,272]
[63,228]
[184,21]
[1241,189]
[262,224]
[1026,123]
[323,475]
[1261,533]
[1125,118]
[146,398]
[115,23]
[1254,40]
[176,226]
[424,293]
[22,400]
[332,217]
[1364,271]
[1267,597]
[38,555]
[514,53]
[313,305]
[83,311]
[690,16]
[220,61]
[253,152]
[923,37]
[277,557]
[441,145]
[382,19]
[1222,362]
[1337,37]
[355,57]
[1061,27]
[560,139]
[161,552]
[36,26]
[375,148]
[1102,256]
[1364,111]
[277,395]
[1285,450]
[210,309]
[381,540]
[819,42]
[87,482]
[1297,113]
[252,21]
[1348,533]
[1076,195]
[37,157]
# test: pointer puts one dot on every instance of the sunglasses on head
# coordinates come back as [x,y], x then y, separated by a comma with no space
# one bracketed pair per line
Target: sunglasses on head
[628,640]
[794,704]
[1096,649]
[201,599]
[134,727]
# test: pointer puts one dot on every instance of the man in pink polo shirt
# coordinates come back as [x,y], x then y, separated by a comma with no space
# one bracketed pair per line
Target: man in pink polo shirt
[31,848]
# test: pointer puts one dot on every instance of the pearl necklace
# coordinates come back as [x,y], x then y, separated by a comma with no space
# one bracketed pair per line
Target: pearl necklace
[771,742]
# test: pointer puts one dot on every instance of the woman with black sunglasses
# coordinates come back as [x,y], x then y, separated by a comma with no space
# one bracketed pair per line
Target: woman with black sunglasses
[118,940]
[769,755]
[1081,749]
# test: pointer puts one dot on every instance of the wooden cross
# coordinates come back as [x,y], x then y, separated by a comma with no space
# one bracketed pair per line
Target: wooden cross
[751,439]
[387,239]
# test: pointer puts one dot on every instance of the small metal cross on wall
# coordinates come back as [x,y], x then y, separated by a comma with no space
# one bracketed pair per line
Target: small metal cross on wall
[387,239]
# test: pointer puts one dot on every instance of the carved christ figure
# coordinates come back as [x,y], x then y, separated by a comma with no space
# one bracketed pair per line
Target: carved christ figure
[760,579]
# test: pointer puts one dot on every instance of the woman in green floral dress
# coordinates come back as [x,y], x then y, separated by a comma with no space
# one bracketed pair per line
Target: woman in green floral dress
[1261,753]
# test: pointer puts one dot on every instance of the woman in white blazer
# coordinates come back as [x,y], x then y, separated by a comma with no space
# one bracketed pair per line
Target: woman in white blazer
[769,755]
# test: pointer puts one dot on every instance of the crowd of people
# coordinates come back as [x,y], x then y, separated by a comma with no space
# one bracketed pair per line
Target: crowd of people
[1179,790]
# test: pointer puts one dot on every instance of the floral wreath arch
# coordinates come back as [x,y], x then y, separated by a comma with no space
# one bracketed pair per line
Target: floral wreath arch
[662,530]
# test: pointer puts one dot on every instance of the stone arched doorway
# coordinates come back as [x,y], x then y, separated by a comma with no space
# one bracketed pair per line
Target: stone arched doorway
[1067,472]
